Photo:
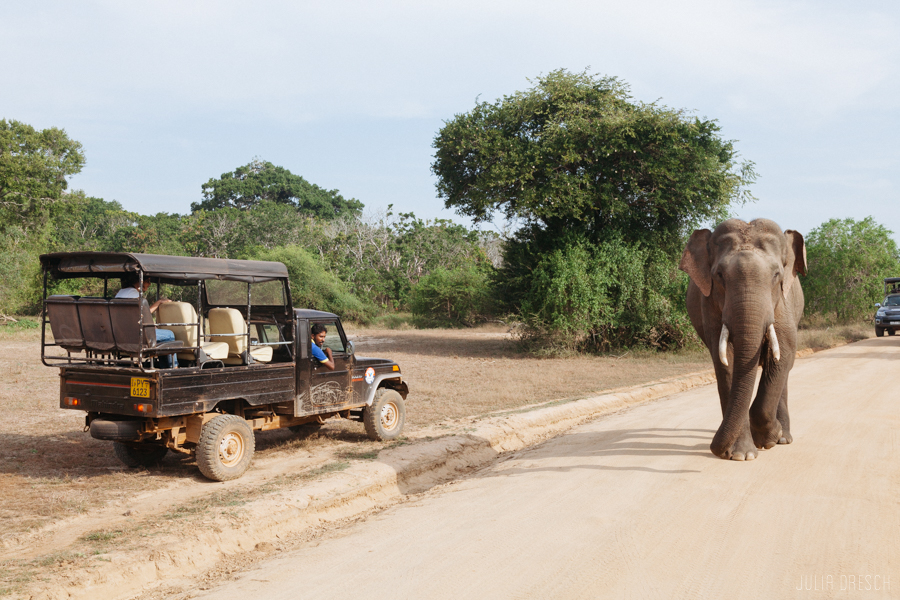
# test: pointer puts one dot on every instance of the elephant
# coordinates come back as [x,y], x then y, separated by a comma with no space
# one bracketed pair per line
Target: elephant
[745,301]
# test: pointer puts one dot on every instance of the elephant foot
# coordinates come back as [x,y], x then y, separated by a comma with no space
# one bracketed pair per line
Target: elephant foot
[786,438]
[767,438]
[742,449]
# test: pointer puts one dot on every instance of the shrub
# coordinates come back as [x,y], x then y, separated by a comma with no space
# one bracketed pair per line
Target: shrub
[20,271]
[597,297]
[459,296]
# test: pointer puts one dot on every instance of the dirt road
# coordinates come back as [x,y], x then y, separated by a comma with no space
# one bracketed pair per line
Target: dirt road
[633,505]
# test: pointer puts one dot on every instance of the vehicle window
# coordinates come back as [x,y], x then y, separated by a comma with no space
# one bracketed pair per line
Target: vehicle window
[333,338]
[234,293]
[268,333]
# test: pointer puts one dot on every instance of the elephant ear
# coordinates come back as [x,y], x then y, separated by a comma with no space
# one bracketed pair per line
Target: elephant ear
[795,259]
[695,260]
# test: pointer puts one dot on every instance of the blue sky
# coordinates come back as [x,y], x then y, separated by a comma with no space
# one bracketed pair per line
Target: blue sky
[350,95]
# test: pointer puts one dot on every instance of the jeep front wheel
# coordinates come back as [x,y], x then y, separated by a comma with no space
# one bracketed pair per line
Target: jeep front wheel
[225,448]
[385,418]
[879,331]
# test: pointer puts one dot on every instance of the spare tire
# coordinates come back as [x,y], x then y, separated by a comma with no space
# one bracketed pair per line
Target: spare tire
[102,429]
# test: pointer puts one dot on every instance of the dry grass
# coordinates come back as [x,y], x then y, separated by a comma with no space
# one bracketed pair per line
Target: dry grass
[822,338]
[458,373]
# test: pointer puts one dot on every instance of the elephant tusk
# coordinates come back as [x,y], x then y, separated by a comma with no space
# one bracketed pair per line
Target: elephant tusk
[723,345]
[773,343]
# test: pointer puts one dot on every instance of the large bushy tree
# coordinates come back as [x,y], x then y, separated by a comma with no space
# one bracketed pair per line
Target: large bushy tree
[34,165]
[575,151]
[584,168]
[261,181]
[848,259]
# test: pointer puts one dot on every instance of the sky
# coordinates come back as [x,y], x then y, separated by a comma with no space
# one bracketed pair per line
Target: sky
[165,95]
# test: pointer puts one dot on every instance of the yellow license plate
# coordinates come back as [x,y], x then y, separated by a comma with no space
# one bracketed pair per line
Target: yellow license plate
[140,388]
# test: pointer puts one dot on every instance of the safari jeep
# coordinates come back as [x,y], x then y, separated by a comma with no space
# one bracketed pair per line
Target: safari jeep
[244,359]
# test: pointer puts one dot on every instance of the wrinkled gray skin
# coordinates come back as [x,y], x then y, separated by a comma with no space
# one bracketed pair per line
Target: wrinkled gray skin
[744,276]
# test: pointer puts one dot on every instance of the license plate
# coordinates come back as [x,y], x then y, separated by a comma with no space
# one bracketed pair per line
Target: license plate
[140,388]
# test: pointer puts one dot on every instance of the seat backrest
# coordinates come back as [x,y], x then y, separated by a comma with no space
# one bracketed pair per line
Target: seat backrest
[179,312]
[95,324]
[64,322]
[229,320]
[125,316]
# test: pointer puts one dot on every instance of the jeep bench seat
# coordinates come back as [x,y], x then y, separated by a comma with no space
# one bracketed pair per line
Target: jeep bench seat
[184,312]
[64,323]
[114,326]
[230,321]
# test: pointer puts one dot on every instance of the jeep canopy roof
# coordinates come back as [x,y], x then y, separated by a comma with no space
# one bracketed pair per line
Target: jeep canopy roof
[168,269]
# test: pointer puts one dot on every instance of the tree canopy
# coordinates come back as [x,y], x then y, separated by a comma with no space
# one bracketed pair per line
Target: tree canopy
[575,151]
[261,181]
[34,166]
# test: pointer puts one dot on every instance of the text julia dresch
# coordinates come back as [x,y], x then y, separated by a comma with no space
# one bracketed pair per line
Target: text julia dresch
[845,583]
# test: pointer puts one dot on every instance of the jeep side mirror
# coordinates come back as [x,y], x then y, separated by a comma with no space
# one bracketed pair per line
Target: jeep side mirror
[878,305]
[350,348]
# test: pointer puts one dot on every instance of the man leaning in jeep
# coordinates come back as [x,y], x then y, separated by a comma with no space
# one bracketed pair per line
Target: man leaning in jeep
[324,357]
[130,289]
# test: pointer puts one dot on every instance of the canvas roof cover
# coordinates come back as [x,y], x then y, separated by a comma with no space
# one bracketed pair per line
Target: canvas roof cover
[172,269]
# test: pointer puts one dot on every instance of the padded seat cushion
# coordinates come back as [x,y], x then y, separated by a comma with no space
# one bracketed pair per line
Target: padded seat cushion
[261,354]
[230,320]
[184,312]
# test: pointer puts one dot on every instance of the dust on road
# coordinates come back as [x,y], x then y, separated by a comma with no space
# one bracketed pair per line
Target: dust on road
[634,506]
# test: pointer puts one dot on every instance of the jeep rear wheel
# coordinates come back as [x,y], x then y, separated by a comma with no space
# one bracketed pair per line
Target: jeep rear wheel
[143,455]
[385,418]
[225,448]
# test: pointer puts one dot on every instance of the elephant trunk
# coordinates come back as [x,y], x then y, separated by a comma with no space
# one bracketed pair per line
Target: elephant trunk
[747,327]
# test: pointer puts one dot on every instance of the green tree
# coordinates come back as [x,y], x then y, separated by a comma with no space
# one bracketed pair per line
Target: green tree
[81,222]
[575,152]
[848,260]
[589,174]
[312,286]
[260,181]
[34,166]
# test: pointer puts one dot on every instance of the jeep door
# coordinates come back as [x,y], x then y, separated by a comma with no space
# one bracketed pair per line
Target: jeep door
[331,389]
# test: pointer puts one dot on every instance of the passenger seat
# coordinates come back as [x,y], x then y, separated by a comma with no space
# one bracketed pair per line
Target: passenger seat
[230,321]
[183,312]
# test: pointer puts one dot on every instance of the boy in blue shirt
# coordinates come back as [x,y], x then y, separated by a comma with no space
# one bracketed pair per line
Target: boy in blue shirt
[324,357]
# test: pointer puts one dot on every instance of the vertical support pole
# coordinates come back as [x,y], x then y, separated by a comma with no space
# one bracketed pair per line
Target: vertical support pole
[141,317]
[200,337]
[248,320]
[44,319]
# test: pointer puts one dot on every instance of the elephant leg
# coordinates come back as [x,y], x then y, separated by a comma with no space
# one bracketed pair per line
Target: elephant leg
[765,424]
[784,418]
